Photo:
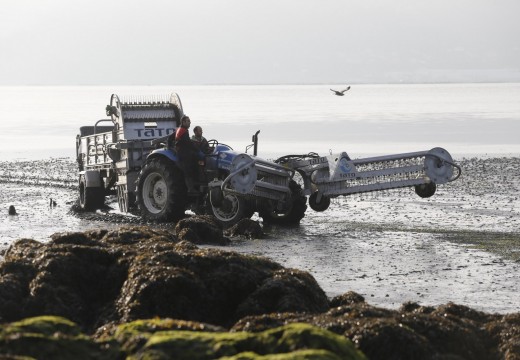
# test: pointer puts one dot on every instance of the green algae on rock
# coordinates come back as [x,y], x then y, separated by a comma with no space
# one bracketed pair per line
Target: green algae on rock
[294,341]
[49,337]
[448,331]
[52,337]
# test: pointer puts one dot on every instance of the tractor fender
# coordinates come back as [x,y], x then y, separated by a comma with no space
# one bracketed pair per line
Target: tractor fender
[163,153]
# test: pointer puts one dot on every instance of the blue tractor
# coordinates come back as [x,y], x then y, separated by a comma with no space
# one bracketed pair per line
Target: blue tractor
[231,186]
[132,158]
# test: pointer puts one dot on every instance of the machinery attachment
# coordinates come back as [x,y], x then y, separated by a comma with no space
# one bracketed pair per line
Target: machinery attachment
[334,175]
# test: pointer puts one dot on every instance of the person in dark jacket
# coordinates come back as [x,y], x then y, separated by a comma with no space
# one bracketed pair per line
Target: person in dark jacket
[187,152]
[200,140]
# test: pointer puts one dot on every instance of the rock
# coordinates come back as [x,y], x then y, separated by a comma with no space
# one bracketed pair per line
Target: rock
[12,210]
[247,228]
[295,341]
[201,229]
[97,278]
[414,307]
[51,337]
[57,338]
[132,335]
[505,331]
[347,298]
[448,331]
[287,289]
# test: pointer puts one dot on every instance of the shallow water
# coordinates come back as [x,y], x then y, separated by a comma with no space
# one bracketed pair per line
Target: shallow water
[40,121]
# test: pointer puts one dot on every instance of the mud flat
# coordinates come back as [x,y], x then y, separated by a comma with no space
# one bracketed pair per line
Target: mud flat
[461,245]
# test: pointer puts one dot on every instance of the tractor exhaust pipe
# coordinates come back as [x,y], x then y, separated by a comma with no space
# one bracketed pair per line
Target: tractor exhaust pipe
[255,143]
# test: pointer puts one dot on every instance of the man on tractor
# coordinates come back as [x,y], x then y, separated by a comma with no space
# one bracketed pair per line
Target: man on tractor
[188,153]
[199,140]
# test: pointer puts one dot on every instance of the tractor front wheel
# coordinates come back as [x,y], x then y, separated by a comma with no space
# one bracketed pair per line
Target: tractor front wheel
[230,210]
[290,216]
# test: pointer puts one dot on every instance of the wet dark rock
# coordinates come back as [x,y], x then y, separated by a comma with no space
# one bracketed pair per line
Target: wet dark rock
[459,311]
[414,307]
[246,227]
[505,331]
[287,289]
[201,229]
[448,331]
[108,277]
[347,298]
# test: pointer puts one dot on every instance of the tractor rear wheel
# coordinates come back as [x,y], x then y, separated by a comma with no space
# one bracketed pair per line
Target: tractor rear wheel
[161,192]
[90,198]
[290,216]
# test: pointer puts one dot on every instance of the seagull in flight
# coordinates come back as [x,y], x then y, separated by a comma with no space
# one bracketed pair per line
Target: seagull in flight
[342,92]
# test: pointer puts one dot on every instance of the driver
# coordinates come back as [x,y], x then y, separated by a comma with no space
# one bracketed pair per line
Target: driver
[188,153]
[199,140]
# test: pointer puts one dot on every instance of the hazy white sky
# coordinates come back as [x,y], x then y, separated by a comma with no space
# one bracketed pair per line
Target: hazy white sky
[164,42]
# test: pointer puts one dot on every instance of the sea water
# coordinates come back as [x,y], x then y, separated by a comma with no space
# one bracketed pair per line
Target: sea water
[41,122]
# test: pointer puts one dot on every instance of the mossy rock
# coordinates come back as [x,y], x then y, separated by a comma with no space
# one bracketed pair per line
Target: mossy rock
[294,341]
[43,325]
[52,337]
[135,334]
[294,355]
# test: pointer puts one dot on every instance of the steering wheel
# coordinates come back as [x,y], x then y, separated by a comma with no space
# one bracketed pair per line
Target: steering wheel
[212,145]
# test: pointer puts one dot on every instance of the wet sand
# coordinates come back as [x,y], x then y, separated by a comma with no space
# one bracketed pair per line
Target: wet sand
[461,245]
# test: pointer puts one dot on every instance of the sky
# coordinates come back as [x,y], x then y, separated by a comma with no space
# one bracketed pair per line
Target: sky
[204,42]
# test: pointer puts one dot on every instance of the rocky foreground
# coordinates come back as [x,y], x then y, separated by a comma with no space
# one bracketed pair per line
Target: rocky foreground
[142,293]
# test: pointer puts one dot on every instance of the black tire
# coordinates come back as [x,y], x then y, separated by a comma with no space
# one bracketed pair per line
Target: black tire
[90,198]
[319,206]
[249,209]
[426,190]
[291,216]
[232,209]
[161,192]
